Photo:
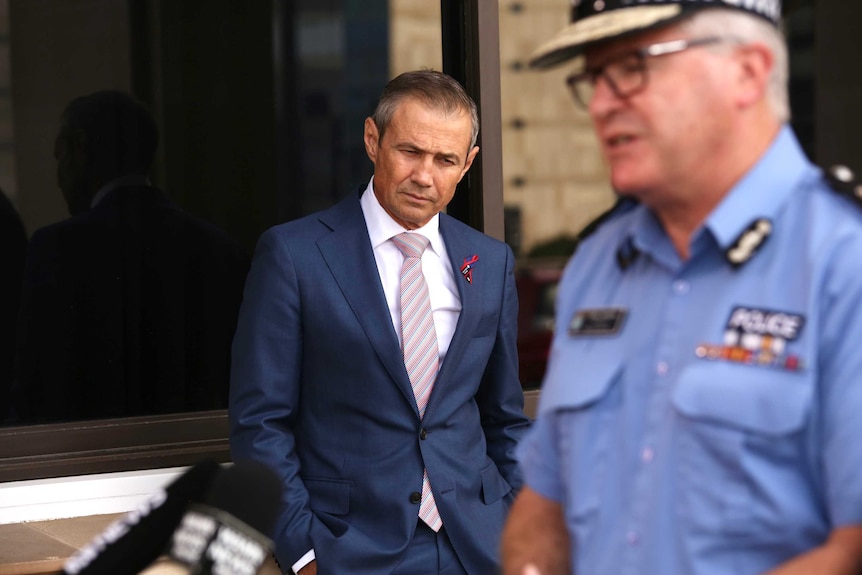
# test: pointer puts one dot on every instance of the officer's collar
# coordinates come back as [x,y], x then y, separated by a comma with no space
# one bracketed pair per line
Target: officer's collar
[760,195]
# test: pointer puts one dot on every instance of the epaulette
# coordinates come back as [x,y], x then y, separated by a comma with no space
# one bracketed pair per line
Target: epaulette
[621,206]
[843,180]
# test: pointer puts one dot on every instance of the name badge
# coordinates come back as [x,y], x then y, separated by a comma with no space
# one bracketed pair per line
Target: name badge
[601,321]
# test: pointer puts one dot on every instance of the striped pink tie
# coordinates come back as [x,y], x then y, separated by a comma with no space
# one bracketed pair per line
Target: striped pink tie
[419,345]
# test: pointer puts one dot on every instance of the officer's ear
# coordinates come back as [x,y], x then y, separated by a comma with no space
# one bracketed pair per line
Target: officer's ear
[80,140]
[755,62]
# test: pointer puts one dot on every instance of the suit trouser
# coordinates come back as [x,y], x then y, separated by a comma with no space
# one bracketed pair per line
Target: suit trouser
[430,553]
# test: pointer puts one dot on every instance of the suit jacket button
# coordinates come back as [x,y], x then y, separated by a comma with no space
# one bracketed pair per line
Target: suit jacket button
[415,497]
[423,434]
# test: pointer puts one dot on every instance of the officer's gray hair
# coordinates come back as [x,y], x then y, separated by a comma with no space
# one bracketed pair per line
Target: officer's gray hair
[436,90]
[747,28]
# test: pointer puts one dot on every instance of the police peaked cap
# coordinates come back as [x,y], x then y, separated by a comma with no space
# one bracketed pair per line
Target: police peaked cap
[597,20]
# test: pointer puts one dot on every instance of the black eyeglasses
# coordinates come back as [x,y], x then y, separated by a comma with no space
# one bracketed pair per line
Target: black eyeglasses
[627,74]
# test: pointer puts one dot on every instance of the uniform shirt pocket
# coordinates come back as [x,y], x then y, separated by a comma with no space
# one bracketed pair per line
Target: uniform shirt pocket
[577,378]
[740,444]
[582,389]
[754,399]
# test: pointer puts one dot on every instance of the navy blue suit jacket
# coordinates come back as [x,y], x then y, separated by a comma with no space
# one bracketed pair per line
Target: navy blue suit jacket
[320,393]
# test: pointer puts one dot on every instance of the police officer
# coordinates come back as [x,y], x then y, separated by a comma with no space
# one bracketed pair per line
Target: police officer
[701,408]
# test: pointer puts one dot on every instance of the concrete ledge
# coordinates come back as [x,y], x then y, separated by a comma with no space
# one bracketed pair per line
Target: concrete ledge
[99,494]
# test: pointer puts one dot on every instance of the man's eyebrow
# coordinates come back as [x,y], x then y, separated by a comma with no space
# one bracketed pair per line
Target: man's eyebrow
[454,156]
[408,145]
[402,144]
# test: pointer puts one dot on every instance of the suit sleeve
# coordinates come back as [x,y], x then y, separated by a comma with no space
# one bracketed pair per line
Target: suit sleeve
[500,397]
[265,386]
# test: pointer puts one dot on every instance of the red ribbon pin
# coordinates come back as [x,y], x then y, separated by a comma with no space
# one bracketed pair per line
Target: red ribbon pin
[467,268]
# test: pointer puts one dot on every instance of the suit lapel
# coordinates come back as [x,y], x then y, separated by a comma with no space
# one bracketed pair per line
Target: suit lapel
[459,249]
[349,257]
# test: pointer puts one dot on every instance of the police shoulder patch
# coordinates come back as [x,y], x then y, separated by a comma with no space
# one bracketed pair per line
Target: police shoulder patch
[843,180]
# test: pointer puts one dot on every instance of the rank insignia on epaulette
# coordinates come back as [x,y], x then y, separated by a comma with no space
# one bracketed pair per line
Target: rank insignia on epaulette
[748,242]
[843,180]
[627,254]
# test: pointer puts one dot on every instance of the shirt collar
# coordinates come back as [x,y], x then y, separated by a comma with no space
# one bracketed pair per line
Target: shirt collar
[381,226]
[127,181]
[761,193]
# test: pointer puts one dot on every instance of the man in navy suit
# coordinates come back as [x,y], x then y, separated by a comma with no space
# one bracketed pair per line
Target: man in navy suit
[319,388]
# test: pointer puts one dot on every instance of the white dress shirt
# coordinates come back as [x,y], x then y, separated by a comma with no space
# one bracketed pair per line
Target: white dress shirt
[436,266]
[127,181]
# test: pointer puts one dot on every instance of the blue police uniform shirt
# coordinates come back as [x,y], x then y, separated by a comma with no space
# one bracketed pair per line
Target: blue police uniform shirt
[701,417]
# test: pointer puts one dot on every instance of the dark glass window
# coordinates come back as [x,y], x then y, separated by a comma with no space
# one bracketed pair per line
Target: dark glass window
[260,109]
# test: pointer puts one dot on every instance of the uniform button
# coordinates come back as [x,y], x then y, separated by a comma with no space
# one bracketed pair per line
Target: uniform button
[681,287]
[647,454]
[423,434]
[661,368]
[415,497]
[633,538]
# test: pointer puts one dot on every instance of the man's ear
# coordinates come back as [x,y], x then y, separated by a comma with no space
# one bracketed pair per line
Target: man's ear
[470,157]
[372,139]
[79,146]
[755,68]
[80,140]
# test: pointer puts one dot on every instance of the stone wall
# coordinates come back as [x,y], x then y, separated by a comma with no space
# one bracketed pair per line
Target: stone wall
[552,170]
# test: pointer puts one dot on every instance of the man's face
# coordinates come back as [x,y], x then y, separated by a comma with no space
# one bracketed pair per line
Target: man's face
[71,170]
[419,160]
[658,140]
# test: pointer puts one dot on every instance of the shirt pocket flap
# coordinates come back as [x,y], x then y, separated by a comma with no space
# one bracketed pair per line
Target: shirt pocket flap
[577,379]
[755,399]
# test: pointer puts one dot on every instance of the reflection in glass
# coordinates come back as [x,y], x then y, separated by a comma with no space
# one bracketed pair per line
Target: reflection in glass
[130,304]
[260,108]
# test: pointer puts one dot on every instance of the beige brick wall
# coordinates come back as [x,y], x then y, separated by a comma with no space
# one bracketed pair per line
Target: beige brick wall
[414,31]
[554,153]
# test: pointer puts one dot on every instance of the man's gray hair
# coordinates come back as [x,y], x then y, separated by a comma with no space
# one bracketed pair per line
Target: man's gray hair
[748,29]
[434,89]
